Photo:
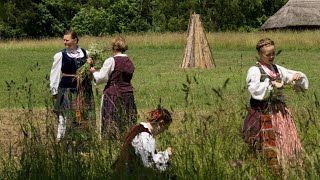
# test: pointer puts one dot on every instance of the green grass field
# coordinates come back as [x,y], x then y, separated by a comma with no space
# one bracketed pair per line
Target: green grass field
[208,105]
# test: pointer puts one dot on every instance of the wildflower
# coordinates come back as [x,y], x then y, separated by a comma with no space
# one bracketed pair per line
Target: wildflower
[97,55]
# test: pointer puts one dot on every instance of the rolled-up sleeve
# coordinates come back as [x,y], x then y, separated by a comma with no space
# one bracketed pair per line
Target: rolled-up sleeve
[287,77]
[102,76]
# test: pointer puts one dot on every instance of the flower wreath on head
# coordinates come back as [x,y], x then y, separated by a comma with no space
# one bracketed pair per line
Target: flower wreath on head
[154,115]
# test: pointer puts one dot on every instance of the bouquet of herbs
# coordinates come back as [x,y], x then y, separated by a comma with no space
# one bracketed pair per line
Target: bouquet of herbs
[97,55]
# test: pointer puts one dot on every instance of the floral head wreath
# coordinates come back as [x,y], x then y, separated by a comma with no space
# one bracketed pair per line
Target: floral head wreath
[160,114]
[154,115]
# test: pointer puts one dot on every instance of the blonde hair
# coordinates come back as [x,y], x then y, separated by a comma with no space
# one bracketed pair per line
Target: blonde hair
[119,44]
[264,42]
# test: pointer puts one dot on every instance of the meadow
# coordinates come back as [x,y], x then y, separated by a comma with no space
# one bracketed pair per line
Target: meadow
[208,106]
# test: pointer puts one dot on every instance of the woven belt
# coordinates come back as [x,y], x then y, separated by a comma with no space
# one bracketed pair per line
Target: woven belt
[78,111]
[69,75]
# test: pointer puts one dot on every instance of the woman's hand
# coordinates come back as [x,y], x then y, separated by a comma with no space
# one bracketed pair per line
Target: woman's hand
[90,61]
[92,70]
[296,77]
[170,151]
[277,84]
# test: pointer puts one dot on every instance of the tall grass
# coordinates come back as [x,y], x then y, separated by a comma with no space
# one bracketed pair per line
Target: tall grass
[208,107]
[230,40]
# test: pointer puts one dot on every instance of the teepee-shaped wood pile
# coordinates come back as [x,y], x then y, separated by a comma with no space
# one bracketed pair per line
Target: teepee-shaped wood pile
[197,52]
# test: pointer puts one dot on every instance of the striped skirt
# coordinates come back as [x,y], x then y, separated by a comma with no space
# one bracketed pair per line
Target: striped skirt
[79,110]
[273,134]
[118,113]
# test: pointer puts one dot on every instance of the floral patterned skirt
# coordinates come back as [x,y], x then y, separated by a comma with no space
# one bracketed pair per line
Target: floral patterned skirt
[273,134]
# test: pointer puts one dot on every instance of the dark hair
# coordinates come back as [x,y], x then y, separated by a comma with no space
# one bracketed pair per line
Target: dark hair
[119,44]
[159,114]
[72,33]
[264,42]
[156,115]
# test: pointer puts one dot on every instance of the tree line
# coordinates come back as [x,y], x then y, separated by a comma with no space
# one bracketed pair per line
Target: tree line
[49,18]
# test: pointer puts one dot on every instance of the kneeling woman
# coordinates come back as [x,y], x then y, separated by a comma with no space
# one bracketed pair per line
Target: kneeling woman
[138,155]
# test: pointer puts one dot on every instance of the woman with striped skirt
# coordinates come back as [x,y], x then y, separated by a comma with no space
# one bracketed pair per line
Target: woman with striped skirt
[74,101]
[118,109]
[269,127]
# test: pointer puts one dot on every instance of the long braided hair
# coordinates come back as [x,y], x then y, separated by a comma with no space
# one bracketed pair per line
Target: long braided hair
[264,42]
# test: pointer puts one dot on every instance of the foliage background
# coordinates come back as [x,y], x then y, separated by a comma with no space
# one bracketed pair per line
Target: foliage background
[49,18]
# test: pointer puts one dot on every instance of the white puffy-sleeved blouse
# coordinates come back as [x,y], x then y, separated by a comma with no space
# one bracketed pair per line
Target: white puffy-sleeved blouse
[56,67]
[103,75]
[261,90]
[145,147]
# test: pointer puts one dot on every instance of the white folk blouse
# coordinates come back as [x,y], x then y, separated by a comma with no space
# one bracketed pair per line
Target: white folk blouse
[145,147]
[261,90]
[56,67]
[102,76]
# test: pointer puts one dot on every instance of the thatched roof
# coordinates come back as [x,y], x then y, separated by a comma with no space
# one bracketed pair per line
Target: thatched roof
[295,14]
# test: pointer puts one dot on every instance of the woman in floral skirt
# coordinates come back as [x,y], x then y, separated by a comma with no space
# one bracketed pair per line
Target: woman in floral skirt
[269,127]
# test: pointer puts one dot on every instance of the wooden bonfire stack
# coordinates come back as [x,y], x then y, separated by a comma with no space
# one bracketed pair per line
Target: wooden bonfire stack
[197,52]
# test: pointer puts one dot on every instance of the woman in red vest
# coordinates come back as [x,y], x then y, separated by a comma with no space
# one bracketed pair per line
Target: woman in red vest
[118,109]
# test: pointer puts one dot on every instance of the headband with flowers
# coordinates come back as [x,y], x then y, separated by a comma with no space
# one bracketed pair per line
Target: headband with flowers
[154,115]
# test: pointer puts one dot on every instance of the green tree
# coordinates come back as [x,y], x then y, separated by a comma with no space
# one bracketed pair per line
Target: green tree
[126,16]
[171,15]
[46,18]
[97,4]
[41,23]
[11,22]
[65,10]
[252,11]
[90,21]
[272,6]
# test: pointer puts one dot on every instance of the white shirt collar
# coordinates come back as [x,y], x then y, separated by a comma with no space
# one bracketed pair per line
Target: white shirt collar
[144,124]
[75,51]
[123,55]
